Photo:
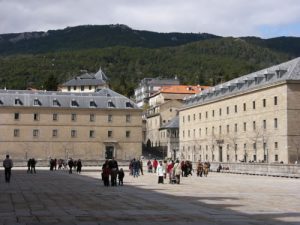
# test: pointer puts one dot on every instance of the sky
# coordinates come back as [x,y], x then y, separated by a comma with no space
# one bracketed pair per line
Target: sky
[262,18]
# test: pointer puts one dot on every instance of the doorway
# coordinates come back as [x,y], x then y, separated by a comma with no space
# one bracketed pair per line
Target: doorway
[220,154]
[109,152]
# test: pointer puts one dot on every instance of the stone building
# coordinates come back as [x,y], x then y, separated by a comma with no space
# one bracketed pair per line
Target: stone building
[90,126]
[252,118]
[86,82]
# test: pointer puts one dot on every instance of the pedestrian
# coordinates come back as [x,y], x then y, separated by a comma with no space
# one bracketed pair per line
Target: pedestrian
[141,166]
[105,173]
[121,176]
[28,165]
[155,164]
[149,165]
[32,165]
[7,164]
[160,173]
[113,166]
[177,171]
[79,165]
[70,164]
[135,168]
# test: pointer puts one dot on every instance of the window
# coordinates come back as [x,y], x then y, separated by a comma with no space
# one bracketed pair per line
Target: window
[275,123]
[220,129]
[254,125]
[227,128]
[74,103]
[110,104]
[35,133]
[213,113]
[183,119]
[227,109]
[189,118]
[220,112]
[55,102]
[276,145]
[254,158]
[235,108]
[92,117]
[54,133]
[16,132]
[129,105]
[127,133]
[245,126]
[35,116]
[276,158]
[235,127]
[253,104]
[18,101]
[73,117]
[189,133]
[109,118]
[200,116]
[206,130]
[199,132]
[109,133]
[54,116]
[82,88]
[194,133]
[244,106]
[194,117]
[235,147]
[183,134]
[93,104]
[73,133]
[92,133]
[254,145]
[69,88]
[16,116]
[36,102]
[90,87]
[213,130]
[206,115]
[74,88]
[264,124]
[275,100]
[264,103]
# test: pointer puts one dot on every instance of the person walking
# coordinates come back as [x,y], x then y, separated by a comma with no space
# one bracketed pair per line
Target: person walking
[7,164]
[79,165]
[32,165]
[70,164]
[160,173]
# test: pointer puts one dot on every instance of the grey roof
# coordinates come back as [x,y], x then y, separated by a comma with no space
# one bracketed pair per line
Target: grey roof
[102,99]
[289,70]
[159,81]
[98,78]
[173,124]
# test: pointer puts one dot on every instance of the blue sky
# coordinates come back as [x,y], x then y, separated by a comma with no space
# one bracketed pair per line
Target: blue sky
[263,18]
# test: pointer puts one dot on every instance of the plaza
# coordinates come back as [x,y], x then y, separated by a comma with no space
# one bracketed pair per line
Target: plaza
[56,197]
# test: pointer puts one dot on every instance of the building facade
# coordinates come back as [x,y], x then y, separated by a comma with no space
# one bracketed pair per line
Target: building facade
[86,82]
[251,118]
[89,126]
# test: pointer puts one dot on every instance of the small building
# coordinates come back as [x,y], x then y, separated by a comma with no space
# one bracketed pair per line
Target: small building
[86,82]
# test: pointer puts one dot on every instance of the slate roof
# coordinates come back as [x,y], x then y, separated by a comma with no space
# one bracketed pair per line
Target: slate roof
[86,79]
[102,99]
[173,124]
[289,70]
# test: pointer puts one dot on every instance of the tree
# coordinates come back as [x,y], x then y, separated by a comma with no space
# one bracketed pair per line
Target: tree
[51,83]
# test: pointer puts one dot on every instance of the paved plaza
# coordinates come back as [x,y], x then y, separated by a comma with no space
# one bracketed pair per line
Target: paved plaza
[228,199]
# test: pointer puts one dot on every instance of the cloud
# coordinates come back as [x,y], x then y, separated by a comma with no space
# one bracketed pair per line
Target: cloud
[226,18]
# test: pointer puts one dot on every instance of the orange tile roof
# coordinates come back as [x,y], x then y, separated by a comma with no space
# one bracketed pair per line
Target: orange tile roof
[182,89]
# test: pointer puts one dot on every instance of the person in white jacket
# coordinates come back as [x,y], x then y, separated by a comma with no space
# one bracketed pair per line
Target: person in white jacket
[160,173]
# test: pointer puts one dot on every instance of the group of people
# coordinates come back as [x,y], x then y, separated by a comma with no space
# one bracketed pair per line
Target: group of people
[110,169]
[77,164]
[31,165]
[136,167]
[203,168]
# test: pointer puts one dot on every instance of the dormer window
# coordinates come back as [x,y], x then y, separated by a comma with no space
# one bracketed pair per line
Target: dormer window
[55,102]
[93,104]
[129,105]
[74,103]
[1,102]
[18,101]
[36,102]
[280,72]
[110,104]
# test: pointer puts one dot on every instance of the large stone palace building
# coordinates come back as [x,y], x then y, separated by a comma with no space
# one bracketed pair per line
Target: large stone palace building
[90,126]
[254,117]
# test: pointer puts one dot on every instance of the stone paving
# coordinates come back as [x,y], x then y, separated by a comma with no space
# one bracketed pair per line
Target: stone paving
[226,199]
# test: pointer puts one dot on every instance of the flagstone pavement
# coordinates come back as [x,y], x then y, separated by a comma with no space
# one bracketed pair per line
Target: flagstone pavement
[56,197]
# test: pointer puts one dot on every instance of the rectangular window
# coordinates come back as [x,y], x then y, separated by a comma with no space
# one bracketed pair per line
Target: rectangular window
[54,116]
[206,115]
[194,116]
[109,118]
[227,128]
[206,130]
[93,104]
[276,158]
[227,110]
[74,103]
[244,106]
[213,130]
[92,133]
[264,103]
[254,125]
[189,133]
[127,133]
[183,119]
[109,133]
[189,118]
[275,100]
[82,88]
[110,104]
[220,129]
[73,133]
[199,116]
[254,158]
[69,88]
[90,87]
[16,116]
[253,104]
[128,118]
[73,117]
[213,113]
[254,145]
[245,126]
[275,123]
[235,108]
[92,117]
[220,112]
[199,132]
[55,102]
[16,132]
[35,116]
[36,102]
[35,133]
[54,133]
[235,127]
[74,88]
[183,134]
[264,124]
[276,145]
[235,147]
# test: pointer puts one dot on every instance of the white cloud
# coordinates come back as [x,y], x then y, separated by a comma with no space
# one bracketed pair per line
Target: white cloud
[227,18]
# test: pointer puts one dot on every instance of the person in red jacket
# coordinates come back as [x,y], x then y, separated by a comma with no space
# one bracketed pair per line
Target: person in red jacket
[155,164]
